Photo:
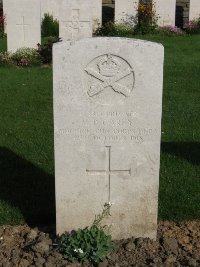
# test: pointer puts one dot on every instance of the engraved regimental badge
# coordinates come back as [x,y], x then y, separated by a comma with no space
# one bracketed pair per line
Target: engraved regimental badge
[110,78]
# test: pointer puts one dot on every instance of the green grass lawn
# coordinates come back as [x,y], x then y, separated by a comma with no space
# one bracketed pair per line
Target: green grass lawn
[26,138]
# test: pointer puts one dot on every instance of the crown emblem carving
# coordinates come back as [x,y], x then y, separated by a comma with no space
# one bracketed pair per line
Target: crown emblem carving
[109,67]
[107,74]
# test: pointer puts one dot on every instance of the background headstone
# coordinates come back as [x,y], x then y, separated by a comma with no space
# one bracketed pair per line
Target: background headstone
[194,9]
[96,13]
[23,23]
[75,19]
[51,7]
[126,9]
[107,123]
[166,11]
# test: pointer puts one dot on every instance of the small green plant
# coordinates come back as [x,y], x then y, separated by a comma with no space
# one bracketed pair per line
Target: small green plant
[100,217]
[193,26]
[25,57]
[146,18]
[112,29]
[86,245]
[91,244]
[145,22]
[50,26]
[45,49]
[5,59]
[171,31]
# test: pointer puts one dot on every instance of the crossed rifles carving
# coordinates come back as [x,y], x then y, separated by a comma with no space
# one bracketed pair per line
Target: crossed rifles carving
[108,82]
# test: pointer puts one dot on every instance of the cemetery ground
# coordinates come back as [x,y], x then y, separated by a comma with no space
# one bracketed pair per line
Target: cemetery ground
[27,165]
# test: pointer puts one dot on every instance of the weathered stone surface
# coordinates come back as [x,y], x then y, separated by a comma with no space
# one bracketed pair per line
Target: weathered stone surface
[23,23]
[194,9]
[166,12]
[96,14]
[51,7]
[125,10]
[107,119]
[75,19]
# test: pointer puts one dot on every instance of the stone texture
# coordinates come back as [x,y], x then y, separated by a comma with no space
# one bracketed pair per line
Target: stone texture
[23,23]
[96,13]
[194,9]
[75,19]
[125,9]
[51,7]
[166,12]
[107,120]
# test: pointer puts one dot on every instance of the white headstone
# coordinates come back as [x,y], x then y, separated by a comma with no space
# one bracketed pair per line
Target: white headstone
[75,20]
[96,13]
[23,23]
[107,119]
[194,9]
[166,11]
[125,10]
[51,7]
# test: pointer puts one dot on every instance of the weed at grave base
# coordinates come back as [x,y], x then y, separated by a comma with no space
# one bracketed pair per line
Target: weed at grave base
[91,244]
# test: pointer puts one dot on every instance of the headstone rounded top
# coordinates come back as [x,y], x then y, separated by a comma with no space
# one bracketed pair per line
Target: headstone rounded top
[100,40]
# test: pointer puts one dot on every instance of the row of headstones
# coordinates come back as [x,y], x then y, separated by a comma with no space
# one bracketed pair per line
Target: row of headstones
[23,20]
[107,125]
[123,8]
[77,19]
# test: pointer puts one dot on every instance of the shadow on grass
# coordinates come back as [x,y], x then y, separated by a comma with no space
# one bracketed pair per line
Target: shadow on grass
[32,191]
[27,188]
[179,181]
[187,151]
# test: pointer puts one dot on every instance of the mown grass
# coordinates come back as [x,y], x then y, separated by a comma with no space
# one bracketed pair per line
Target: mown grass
[26,138]
[26,145]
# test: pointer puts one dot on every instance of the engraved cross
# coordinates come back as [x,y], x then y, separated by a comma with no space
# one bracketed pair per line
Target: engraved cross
[108,171]
[75,23]
[23,24]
